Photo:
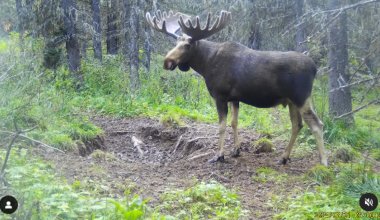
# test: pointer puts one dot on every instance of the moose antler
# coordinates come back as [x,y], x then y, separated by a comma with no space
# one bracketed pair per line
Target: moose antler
[197,33]
[166,22]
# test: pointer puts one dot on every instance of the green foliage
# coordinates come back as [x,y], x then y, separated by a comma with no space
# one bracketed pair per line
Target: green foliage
[341,195]
[267,174]
[171,119]
[375,153]
[44,195]
[203,201]
[44,101]
[345,154]
[102,156]
[358,137]
[108,77]
[356,179]
[321,174]
[264,145]
[132,209]
[363,135]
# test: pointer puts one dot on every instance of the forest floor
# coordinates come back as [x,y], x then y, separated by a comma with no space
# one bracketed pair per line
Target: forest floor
[176,158]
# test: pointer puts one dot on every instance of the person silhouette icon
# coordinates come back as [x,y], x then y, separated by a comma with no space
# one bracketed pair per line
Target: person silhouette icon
[8,206]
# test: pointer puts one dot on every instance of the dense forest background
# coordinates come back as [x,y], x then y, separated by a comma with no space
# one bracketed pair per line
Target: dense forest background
[65,61]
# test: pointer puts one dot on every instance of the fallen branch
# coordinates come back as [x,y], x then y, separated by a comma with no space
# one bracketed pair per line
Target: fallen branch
[113,133]
[16,134]
[358,109]
[187,144]
[177,144]
[352,6]
[33,140]
[199,156]
[137,143]
[220,177]
[198,138]
[8,153]
[354,83]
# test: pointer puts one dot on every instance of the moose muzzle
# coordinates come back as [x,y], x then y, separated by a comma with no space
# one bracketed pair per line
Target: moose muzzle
[170,64]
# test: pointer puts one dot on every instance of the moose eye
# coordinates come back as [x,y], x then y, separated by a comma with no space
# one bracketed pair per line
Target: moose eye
[187,46]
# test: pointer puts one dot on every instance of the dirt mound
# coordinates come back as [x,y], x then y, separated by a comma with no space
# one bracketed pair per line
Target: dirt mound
[161,144]
[156,158]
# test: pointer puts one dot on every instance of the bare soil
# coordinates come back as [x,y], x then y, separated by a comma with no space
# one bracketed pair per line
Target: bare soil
[176,158]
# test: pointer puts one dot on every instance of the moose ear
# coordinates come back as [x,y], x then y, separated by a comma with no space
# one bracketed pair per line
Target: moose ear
[183,67]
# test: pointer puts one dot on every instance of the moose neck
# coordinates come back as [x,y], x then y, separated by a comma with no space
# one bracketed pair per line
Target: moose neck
[203,52]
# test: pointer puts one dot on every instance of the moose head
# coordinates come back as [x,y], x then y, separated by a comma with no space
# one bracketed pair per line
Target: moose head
[235,73]
[170,24]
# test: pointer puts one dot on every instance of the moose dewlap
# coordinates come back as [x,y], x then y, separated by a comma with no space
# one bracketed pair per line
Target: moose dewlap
[235,73]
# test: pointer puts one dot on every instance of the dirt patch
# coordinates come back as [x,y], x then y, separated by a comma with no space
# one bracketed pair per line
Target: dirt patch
[176,157]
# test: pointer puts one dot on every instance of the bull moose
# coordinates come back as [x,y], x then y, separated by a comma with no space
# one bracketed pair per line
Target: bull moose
[235,73]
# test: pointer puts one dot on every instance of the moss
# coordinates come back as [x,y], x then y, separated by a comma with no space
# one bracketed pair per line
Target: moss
[267,174]
[345,154]
[102,156]
[321,174]
[263,145]
[375,153]
[76,185]
[171,119]
[60,140]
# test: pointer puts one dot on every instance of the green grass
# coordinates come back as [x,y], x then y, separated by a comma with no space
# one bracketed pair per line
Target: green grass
[346,182]
[266,174]
[46,195]
[202,201]
[321,174]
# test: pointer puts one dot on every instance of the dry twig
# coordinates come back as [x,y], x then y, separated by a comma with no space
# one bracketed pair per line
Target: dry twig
[199,156]
[137,143]
[177,144]
[358,109]
[33,140]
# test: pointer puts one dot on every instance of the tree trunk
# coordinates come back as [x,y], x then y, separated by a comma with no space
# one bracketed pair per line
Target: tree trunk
[134,49]
[340,100]
[147,42]
[254,40]
[300,29]
[147,51]
[112,38]
[19,14]
[20,23]
[126,27]
[72,45]
[97,38]
[84,49]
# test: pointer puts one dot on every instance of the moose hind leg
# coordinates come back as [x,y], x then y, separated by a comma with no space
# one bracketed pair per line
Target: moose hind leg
[296,119]
[234,125]
[316,127]
[222,108]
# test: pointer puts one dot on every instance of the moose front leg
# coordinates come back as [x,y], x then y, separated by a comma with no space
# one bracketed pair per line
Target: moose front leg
[222,108]
[234,125]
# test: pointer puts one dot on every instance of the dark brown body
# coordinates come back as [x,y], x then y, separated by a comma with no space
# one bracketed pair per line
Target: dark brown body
[259,78]
[264,79]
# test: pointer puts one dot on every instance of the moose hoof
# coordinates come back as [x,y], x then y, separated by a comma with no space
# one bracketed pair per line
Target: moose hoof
[217,158]
[284,161]
[235,152]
